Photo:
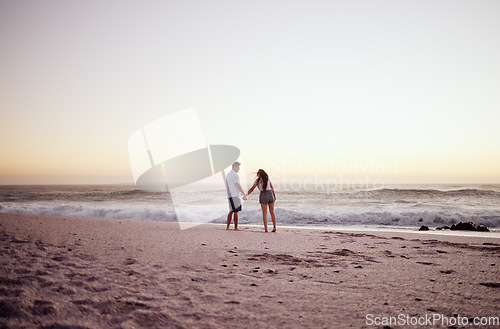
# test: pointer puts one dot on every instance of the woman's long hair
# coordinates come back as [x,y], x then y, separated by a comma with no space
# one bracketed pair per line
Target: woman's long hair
[263,177]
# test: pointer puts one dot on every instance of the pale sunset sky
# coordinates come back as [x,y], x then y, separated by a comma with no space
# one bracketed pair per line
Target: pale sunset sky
[405,91]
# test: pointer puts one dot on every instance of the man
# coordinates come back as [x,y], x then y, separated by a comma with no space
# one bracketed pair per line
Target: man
[234,190]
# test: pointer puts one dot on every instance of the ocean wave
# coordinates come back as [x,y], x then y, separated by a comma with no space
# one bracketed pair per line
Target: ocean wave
[401,192]
[79,196]
[87,211]
[254,216]
[372,218]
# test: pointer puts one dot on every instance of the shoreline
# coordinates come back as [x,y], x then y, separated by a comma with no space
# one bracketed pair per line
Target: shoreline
[494,232]
[96,273]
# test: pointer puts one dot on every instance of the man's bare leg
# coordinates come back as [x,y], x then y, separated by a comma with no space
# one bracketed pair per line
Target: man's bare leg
[236,221]
[229,217]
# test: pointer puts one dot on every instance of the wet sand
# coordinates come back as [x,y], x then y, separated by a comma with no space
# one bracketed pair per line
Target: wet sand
[61,272]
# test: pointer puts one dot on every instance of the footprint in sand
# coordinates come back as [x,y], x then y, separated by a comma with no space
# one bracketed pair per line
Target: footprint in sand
[42,307]
[64,291]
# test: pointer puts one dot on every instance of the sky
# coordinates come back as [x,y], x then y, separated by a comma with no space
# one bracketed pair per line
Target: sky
[399,91]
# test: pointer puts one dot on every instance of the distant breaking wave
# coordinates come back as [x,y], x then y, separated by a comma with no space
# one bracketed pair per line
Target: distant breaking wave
[430,192]
[96,196]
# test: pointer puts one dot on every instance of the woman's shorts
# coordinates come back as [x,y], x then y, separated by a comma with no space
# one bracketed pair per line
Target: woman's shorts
[266,197]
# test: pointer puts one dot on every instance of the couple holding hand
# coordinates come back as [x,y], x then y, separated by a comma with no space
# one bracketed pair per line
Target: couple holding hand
[266,197]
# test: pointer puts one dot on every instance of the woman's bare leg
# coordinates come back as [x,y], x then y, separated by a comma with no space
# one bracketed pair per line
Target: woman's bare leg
[264,214]
[273,216]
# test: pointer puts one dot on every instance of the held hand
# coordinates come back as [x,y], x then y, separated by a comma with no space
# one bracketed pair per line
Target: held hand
[245,197]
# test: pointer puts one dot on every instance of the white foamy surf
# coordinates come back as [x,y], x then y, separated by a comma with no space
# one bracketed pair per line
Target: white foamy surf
[394,206]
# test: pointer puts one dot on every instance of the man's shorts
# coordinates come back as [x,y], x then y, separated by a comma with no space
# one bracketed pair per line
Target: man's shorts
[234,204]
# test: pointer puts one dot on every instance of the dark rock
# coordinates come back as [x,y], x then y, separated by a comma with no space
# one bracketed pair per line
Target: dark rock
[464,226]
[469,226]
[423,228]
[482,228]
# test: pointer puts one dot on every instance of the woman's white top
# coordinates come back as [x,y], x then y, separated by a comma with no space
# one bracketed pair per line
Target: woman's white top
[258,181]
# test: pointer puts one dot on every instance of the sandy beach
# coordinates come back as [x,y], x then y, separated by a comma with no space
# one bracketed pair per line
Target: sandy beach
[62,272]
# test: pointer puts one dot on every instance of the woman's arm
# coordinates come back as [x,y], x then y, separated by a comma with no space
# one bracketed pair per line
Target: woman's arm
[252,188]
[272,189]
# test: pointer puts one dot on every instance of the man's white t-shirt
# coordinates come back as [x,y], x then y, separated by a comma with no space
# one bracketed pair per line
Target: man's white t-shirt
[231,180]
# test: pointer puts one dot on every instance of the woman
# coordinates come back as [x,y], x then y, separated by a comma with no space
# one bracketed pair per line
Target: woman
[266,197]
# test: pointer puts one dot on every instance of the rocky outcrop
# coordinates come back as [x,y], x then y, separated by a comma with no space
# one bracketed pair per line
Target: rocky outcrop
[468,226]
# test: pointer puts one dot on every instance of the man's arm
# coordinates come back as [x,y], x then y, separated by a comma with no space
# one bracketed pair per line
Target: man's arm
[238,186]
